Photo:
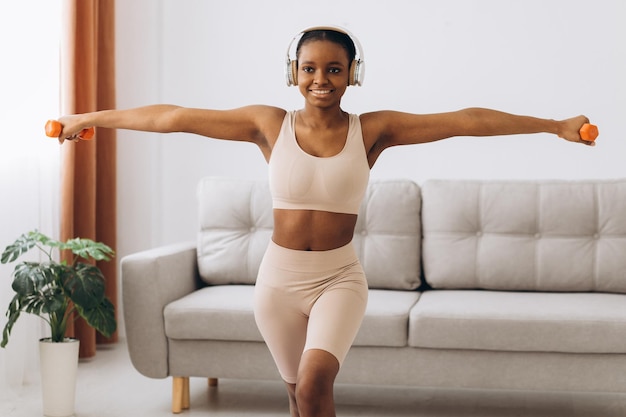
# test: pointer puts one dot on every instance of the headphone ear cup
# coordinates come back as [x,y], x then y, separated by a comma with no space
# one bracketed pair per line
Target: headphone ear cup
[353,75]
[356,72]
[293,72]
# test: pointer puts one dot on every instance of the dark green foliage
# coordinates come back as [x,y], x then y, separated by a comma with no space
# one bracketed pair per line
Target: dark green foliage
[53,290]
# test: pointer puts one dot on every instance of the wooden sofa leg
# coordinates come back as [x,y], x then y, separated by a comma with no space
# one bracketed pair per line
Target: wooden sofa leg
[186,393]
[213,382]
[180,394]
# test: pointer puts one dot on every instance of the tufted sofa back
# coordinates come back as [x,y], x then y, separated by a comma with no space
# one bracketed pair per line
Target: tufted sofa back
[236,225]
[525,235]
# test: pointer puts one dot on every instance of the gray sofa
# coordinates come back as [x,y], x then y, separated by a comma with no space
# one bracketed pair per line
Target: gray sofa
[517,285]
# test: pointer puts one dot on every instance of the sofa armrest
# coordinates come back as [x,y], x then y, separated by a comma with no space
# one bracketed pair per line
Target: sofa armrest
[150,280]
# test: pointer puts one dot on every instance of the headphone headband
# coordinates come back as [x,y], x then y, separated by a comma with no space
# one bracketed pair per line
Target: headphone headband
[357,66]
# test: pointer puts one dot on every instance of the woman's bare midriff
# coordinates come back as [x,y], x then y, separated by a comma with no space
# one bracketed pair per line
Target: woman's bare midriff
[312,230]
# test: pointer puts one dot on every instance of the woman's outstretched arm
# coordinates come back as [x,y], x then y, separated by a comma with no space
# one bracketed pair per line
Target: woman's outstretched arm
[249,123]
[389,128]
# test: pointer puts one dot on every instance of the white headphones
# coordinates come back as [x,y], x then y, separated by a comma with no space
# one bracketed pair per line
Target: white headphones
[357,66]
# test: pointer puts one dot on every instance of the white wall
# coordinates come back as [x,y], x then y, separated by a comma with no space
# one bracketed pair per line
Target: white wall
[548,58]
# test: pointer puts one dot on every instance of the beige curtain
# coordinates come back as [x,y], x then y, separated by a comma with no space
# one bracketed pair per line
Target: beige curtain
[88,168]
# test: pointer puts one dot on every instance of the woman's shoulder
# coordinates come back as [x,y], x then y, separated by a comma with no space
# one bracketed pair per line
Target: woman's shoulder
[268,119]
[375,126]
[265,111]
[375,116]
[373,121]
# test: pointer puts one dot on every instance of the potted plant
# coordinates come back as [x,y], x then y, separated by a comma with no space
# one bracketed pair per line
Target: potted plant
[53,291]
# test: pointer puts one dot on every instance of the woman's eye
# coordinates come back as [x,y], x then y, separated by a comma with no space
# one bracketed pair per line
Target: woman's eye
[335,70]
[307,69]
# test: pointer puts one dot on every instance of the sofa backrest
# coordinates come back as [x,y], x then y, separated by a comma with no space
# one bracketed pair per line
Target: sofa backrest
[525,235]
[236,225]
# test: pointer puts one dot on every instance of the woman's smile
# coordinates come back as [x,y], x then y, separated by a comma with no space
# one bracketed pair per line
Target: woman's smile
[320,92]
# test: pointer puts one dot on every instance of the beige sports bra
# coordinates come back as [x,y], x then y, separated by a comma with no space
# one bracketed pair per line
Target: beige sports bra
[299,180]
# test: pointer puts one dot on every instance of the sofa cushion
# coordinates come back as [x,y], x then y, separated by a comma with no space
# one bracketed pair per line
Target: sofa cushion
[386,320]
[525,235]
[236,225]
[519,321]
[224,312]
[388,235]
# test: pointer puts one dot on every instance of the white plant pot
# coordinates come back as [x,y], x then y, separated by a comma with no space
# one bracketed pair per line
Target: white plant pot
[59,365]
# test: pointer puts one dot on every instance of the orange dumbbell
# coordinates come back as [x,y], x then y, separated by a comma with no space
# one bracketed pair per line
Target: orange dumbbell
[54,128]
[588,132]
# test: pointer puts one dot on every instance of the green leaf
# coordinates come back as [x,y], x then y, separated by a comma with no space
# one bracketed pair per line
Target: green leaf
[88,249]
[55,302]
[85,285]
[13,313]
[26,242]
[30,277]
[39,300]
[21,245]
[23,284]
[34,304]
[45,240]
[100,317]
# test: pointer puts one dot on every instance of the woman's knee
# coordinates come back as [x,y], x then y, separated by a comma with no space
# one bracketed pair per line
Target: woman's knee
[316,376]
[312,387]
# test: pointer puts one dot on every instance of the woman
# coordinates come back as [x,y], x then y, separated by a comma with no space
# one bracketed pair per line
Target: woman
[311,291]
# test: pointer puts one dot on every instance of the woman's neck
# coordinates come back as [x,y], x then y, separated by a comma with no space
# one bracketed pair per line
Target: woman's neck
[320,117]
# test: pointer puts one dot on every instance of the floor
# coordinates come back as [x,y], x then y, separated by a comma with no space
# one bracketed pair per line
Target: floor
[108,386]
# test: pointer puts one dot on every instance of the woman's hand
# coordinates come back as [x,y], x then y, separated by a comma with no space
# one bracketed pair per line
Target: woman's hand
[71,128]
[570,130]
